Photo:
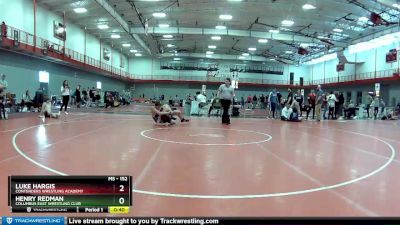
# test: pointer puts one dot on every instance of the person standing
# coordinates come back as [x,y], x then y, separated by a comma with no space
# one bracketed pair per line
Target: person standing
[319,101]
[340,105]
[242,102]
[226,93]
[78,96]
[331,105]
[299,99]
[273,101]
[369,102]
[3,89]
[289,97]
[311,102]
[65,92]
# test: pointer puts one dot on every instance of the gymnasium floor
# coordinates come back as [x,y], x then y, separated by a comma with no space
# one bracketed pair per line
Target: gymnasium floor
[255,167]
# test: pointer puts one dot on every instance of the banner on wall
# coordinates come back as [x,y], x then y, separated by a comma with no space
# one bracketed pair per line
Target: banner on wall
[377,89]
[106,54]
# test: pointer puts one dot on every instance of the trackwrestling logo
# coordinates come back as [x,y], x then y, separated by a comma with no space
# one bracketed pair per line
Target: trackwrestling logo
[9,220]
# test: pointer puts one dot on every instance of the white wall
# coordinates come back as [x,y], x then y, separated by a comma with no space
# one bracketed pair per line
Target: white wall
[151,67]
[19,14]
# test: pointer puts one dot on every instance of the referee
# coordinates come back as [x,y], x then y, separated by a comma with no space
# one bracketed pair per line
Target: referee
[225,93]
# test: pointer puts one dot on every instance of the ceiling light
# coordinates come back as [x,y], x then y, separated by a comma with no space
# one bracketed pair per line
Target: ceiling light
[133,50]
[396,5]
[208,55]
[138,54]
[322,37]
[209,52]
[252,49]
[168,36]
[80,10]
[220,27]
[308,6]
[245,54]
[242,57]
[163,25]
[262,40]
[159,14]
[102,26]
[170,45]
[287,23]
[274,31]
[177,59]
[212,46]
[272,59]
[363,19]
[288,52]
[338,30]
[225,17]
[115,36]
[216,38]
[304,45]
[126,45]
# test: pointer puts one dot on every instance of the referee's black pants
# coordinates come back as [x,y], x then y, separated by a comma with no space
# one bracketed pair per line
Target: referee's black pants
[225,115]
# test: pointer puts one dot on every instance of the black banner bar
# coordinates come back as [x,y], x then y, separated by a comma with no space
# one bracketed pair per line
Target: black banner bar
[229,221]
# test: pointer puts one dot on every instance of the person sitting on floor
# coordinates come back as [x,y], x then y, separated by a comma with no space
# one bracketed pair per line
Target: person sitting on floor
[165,115]
[290,113]
[46,110]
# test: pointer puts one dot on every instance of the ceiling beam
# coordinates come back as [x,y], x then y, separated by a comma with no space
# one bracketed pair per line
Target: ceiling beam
[123,23]
[228,32]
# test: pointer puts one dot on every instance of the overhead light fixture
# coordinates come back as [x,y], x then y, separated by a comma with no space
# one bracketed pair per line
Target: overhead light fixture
[287,23]
[338,30]
[288,52]
[115,36]
[80,10]
[308,7]
[363,19]
[245,54]
[133,50]
[159,14]
[126,45]
[209,52]
[177,59]
[225,17]
[170,45]
[163,25]
[262,41]
[212,46]
[274,31]
[242,57]
[216,38]
[138,54]
[168,36]
[272,59]
[252,49]
[220,27]
[208,55]
[102,26]
[322,37]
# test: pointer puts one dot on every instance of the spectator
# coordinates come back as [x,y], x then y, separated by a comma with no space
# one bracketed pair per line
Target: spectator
[319,101]
[273,101]
[242,102]
[262,101]
[375,104]
[299,99]
[290,97]
[78,96]
[3,29]
[26,100]
[254,101]
[65,92]
[311,102]
[339,110]
[331,100]
[369,102]
[382,105]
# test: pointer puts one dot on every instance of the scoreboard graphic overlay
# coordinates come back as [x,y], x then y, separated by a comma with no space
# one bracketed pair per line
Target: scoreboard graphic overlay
[86,194]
